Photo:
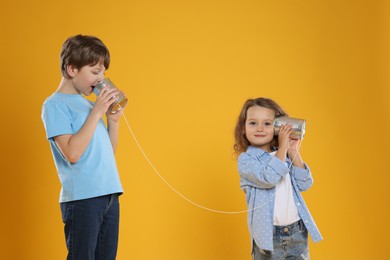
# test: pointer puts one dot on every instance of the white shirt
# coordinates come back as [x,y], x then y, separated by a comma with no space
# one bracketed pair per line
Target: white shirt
[285,210]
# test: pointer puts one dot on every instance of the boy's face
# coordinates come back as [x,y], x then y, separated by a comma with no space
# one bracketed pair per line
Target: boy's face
[86,78]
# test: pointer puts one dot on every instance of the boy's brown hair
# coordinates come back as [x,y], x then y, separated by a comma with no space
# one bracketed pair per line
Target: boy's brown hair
[81,50]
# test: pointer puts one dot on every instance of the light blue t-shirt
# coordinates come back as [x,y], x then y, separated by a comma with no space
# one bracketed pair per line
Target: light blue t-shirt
[95,173]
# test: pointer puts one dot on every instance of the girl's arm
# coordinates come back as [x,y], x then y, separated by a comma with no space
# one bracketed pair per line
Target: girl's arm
[302,176]
[294,154]
[264,176]
[300,171]
[73,146]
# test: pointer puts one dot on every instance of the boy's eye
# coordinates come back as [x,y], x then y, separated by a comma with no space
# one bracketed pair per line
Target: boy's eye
[268,124]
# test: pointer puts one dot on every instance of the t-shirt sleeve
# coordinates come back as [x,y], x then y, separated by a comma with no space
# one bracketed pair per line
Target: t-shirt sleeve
[56,119]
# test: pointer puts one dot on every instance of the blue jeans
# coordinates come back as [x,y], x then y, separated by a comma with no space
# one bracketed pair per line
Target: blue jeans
[91,228]
[290,242]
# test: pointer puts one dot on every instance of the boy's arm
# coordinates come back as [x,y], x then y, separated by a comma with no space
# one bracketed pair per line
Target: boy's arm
[73,146]
[113,128]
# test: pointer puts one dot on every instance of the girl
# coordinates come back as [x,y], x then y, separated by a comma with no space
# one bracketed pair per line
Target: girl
[272,175]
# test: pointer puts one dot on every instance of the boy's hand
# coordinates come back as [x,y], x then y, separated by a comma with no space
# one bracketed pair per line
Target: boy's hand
[114,117]
[105,98]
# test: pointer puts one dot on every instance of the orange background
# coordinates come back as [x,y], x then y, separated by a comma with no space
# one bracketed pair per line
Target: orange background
[187,67]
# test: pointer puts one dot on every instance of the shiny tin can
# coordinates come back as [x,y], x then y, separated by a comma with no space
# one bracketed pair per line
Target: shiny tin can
[120,101]
[298,126]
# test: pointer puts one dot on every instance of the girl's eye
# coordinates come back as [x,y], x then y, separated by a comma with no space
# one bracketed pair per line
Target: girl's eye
[268,124]
[252,123]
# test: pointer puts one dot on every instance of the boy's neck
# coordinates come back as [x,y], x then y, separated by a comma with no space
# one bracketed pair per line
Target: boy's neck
[66,87]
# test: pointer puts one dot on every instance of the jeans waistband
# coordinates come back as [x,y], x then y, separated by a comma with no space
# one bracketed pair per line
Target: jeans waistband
[289,228]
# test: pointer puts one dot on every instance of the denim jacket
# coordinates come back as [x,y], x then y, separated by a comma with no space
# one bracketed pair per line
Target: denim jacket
[259,174]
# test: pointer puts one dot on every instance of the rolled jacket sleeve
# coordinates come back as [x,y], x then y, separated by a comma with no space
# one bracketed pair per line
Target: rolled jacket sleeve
[261,170]
[302,176]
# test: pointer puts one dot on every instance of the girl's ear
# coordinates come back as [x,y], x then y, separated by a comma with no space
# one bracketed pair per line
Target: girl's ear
[71,70]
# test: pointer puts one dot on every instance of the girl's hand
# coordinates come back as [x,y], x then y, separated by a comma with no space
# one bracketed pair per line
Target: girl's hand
[293,153]
[293,147]
[284,137]
[294,144]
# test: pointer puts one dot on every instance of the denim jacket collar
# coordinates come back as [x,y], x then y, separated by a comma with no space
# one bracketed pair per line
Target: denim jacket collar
[258,152]
[252,150]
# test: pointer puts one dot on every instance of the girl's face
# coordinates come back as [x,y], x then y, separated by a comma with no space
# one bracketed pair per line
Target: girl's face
[259,128]
[87,77]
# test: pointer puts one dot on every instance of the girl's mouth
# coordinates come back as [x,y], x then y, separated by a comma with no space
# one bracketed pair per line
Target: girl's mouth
[260,135]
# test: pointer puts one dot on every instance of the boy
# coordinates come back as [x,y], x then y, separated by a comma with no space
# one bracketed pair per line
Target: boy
[83,150]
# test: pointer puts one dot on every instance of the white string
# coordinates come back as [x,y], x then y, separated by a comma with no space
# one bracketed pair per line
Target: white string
[172,188]
[299,146]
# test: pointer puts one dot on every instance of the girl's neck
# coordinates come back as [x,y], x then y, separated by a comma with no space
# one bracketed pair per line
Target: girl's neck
[267,149]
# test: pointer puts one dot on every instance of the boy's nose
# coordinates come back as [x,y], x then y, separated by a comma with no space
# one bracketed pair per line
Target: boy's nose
[100,78]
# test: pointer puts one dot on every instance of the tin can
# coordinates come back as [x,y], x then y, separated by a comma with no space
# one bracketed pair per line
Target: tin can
[120,101]
[298,126]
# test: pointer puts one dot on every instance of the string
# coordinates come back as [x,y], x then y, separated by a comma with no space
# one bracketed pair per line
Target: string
[172,188]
